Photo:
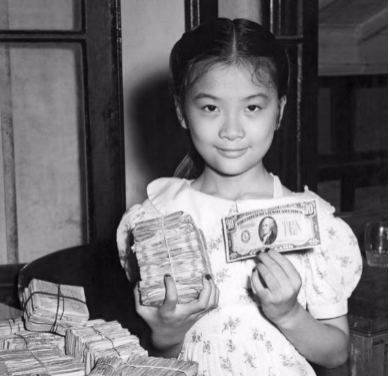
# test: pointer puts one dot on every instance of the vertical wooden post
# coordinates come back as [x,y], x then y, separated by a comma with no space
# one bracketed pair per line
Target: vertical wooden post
[294,153]
[7,147]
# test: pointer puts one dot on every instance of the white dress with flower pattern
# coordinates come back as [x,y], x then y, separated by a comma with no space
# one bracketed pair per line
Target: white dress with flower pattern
[236,339]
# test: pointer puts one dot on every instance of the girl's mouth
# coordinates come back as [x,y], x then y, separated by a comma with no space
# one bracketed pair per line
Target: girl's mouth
[232,153]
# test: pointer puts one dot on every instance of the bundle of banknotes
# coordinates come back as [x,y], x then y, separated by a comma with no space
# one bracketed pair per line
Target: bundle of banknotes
[99,338]
[39,361]
[31,340]
[10,326]
[291,225]
[144,366]
[50,307]
[173,245]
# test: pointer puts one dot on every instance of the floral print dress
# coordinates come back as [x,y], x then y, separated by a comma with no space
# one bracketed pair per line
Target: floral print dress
[236,338]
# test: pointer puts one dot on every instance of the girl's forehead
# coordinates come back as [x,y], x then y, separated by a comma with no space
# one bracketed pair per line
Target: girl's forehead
[221,76]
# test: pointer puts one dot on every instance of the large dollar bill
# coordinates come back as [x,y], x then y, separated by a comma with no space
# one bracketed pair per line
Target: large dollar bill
[282,228]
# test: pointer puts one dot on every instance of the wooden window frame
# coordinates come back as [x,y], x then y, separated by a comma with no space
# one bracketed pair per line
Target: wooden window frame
[100,41]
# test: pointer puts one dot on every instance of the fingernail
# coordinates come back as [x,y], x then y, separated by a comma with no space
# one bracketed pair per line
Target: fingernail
[167,275]
[208,277]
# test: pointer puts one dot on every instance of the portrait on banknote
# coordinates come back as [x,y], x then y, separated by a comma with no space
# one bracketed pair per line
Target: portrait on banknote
[268,230]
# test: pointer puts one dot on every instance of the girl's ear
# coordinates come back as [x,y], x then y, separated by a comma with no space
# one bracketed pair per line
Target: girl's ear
[180,115]
[282,104]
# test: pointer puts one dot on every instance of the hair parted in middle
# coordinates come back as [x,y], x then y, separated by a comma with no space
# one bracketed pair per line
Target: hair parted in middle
[238,42]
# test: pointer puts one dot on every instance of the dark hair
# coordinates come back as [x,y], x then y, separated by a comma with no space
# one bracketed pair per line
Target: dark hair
[228,42]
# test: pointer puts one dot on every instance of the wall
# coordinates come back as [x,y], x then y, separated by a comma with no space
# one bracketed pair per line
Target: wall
[249,9]
[154,141]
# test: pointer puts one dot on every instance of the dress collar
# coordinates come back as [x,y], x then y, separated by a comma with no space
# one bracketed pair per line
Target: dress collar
[169,195]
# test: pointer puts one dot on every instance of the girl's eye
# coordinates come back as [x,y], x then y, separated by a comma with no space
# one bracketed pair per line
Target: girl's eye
[253,108]
[210,108]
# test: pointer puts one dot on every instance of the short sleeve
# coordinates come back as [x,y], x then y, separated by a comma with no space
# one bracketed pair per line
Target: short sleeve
[123,235]
[334,268]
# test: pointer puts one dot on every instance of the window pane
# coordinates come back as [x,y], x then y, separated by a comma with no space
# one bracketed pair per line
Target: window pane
[40,15]
[44,96]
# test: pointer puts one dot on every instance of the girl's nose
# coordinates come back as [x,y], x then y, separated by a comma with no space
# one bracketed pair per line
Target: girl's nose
[231,128]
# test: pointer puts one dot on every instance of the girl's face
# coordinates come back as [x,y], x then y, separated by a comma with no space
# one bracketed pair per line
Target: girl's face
[232,119]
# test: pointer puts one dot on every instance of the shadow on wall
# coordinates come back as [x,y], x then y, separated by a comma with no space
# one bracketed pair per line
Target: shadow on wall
[161,142]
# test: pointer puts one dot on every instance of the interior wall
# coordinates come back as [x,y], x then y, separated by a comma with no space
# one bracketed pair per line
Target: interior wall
[154,141]
[249,9]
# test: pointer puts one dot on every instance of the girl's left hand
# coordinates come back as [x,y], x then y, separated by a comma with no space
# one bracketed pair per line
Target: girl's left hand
[278,293]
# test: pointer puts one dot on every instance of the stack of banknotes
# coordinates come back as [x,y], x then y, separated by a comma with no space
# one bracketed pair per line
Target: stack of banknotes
[39,361]
[51,307]
[10,326]
[99,339]
[144,366]
[172,245]
[31,340]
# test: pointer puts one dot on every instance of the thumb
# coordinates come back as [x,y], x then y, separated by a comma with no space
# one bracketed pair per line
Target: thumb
[171,296]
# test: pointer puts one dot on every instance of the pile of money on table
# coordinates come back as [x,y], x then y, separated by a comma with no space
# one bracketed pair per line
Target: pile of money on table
[99,339]
[144,366]
[172,245]
[49,307]
[39,361]
[31,340]
[10,326]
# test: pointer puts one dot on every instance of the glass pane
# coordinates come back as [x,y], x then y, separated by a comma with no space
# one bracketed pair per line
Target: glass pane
[40,14]
[42,91]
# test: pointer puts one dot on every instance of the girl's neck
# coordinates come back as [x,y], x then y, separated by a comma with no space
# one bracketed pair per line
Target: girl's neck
[258,184]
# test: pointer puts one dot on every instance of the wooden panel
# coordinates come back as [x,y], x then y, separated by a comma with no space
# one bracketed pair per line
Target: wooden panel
[368,355]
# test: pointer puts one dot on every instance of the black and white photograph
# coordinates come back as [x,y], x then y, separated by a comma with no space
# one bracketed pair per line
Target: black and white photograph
[140,140]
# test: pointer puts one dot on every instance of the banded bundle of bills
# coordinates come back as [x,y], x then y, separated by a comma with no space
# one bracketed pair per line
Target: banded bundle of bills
[145,366]
[286,227]
[172,245]
[52,307]
[39,361]
[10,326]
[90,343]
[31,340]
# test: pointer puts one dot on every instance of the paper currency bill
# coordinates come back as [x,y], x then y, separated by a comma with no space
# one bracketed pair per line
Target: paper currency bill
[282,228]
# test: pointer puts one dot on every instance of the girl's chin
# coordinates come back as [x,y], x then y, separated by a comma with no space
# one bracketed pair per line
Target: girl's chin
[230,172]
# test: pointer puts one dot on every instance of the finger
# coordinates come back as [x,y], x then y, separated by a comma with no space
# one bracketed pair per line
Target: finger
[274,268]
[202,303]
[144,311]
[257,286]
[285,264]
[171,296]
[271,281]
[214,296]
[217,297]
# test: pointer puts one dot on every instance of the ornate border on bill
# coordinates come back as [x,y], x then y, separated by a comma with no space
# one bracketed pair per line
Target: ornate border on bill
[286,227]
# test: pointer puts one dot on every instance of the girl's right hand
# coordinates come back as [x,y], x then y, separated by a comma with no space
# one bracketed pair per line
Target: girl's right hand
[171,321]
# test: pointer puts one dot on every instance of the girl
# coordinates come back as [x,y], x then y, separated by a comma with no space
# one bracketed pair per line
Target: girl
[263,316]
